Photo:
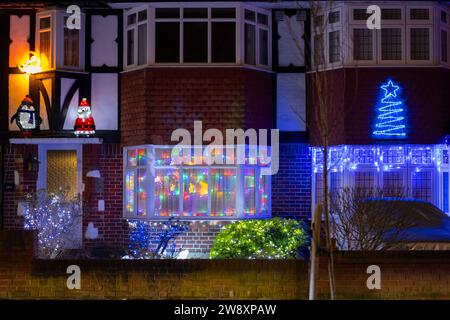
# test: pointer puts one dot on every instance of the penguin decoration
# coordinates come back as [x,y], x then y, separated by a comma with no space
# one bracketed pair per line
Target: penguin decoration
[26,118]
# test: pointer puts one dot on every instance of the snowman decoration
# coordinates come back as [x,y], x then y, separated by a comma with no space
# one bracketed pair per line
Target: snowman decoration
[26,117]
[84,124]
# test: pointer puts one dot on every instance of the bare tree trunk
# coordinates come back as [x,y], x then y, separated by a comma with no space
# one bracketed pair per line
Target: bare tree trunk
[315,246]
[329,244]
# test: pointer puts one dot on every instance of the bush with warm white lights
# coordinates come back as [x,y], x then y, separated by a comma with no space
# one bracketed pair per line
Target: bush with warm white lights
[260,239]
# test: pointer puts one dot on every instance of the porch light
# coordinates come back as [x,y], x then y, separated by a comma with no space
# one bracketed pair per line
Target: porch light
[32,65]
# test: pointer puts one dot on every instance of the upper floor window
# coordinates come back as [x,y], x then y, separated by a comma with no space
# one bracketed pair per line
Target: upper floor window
[419,14]
[443,16]
[444,46]
[362,44]
[391,14]
[58,45]
[334,45]
[71,46]
[45,41]
[391,44]
[420,43]
[333,17]
[256,38]
[360,14]
[319,54]
[197,35]
[136,37]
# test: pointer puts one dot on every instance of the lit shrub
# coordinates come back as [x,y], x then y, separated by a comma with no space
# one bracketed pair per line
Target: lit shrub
[260,239]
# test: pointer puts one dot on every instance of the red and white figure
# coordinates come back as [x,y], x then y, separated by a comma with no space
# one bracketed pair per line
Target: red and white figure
[84,125]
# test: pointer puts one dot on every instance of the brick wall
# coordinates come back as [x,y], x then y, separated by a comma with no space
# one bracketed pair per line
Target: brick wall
[15,157]
[156,101]
[291,186]
[404,275]
[354,93]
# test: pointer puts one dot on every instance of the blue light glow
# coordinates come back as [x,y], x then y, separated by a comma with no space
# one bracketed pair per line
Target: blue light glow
[390,119]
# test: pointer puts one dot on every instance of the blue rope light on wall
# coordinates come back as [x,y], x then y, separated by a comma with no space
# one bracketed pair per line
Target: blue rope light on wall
[390,119]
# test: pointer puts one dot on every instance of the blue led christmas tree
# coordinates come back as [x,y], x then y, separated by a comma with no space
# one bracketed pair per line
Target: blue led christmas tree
[390,121]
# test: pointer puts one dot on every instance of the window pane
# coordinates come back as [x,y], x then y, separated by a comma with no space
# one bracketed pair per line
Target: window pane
[167,13]
[44,48]
[249,191]
[362,44]
[319,188]
[44,23]
[419,14]
[250,15]
[195,192]
[420,44]
[263,193]
[263,19]
[130,47]
[444,16]
[319,56]
[142,15]
[167,192]
[223,13]
[223,38]
[360,14]
[131,19]
[250,44]
[446,191]
[263,47]
[421,186]
[393,184]
[129,191]
[333,17]
[444,48]
[192,13]
[391,14]
[394,156]
[142,193]
[167,42]
[71,47]
[195,42]
[142,44]
[391,44]
[364,181]
[334,47]
[131,158]
[421,156]
[223,192]
[142,157]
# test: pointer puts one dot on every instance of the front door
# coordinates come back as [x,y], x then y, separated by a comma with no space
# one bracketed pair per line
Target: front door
[60,171]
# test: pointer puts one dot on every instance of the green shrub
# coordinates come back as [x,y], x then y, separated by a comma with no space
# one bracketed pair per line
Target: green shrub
[260,239]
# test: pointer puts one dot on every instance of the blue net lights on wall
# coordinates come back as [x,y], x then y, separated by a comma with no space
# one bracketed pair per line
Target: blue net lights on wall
[391,114]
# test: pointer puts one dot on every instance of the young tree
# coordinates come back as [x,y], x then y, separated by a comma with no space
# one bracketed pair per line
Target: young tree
[326,91]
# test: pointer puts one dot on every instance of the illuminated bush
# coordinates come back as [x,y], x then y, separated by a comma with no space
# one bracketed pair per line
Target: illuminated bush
[260,239]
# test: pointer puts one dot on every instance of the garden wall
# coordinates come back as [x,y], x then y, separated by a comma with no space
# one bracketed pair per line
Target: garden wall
[404,275]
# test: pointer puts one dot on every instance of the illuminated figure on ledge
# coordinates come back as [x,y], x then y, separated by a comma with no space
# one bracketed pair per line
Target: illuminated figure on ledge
[390,120]
[26,117]
[84,125]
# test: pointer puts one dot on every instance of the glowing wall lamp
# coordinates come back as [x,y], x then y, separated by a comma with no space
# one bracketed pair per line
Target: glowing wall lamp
[32,65]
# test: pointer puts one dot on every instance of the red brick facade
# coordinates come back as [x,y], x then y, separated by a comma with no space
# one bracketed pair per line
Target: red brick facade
[424,89]
[156,101]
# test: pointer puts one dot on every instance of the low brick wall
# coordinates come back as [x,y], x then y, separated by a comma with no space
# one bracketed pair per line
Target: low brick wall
[405,275]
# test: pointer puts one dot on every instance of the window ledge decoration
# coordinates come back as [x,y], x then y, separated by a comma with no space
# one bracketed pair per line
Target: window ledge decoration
[84,124]
[157,188]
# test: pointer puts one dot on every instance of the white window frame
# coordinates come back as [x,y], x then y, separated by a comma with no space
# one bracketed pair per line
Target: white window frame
[239,36]
[409,60]
[135,27]
[57,39]
[150,174]
[403,45]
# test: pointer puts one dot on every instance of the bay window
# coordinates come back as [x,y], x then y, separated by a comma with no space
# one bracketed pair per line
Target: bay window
[197,34]
[418,172]
[156,187]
